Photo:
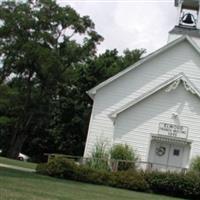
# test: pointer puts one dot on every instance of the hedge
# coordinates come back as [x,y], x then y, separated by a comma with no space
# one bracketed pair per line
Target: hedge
[67,169]
[172,184]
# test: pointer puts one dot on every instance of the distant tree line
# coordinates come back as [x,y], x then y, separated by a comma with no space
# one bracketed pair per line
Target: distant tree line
[49,61]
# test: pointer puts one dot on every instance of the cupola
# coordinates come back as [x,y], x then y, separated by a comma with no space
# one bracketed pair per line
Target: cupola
[188,19]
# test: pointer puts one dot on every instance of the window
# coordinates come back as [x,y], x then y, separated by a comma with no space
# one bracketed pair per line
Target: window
[176,152]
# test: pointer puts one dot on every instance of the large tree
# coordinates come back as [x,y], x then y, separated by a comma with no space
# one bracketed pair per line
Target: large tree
[49,61]
[74,109]
[39,50]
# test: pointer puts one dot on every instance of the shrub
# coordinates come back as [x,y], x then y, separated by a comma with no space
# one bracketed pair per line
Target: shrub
[63,168]
[124,153]
[86,174]
[167,183]
[58,167]
[195,165]
[99,158]
[174,184]
[42,168]
[131,180]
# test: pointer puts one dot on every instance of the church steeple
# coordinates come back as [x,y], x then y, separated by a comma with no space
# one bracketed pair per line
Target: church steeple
[188,10]
[188,19]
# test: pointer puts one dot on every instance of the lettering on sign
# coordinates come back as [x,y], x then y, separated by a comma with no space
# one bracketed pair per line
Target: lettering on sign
[173,130]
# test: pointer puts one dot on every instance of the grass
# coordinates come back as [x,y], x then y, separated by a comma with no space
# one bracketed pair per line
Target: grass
[16,185]
[17,163]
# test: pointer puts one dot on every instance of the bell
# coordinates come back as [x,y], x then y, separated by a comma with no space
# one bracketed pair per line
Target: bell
[188,19]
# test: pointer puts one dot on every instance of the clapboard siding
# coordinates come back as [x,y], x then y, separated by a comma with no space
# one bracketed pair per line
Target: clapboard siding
[180,58]
[134,126]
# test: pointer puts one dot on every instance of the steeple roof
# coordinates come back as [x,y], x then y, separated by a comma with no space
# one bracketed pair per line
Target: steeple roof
[185,30]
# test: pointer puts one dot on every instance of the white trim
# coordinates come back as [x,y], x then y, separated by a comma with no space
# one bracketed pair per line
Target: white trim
[93,91]
[88,132]
[180,76]
[157,137]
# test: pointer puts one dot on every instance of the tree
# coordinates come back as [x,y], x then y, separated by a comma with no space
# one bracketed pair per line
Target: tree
[38,49]
[6,118]
[45,74]
[70,129]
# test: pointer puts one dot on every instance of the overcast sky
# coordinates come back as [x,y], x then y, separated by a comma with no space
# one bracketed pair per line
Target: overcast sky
[129,23]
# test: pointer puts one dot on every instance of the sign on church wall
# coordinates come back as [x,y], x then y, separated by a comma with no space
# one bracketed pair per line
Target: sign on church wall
[173,130]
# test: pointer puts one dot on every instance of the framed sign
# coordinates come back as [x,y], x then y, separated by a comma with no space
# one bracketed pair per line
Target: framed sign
[173,130]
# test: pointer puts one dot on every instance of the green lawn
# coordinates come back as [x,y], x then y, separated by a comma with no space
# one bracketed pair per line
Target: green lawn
[17,163]
[16,185]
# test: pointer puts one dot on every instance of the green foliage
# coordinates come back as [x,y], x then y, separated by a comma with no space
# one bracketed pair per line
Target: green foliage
[99,157]
[42,169]
[131,57]
[38,187]
[124,153]
[38,50]
[44,76]
[4,120]
[186,185]
[100,150]
[89,175]
[195,164]
[63,168]
[131,180]
[121,156]
[174,184]
[70,129]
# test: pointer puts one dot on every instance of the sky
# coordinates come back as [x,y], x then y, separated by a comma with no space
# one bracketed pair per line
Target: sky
[129,23]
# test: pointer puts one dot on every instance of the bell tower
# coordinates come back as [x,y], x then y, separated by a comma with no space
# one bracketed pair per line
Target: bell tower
[188,19]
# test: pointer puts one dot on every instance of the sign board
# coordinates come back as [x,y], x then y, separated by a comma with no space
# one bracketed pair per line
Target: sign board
[173,130]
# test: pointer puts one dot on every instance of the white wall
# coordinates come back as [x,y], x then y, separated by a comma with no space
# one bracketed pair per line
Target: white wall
[173,37]
[135,125]
[181,58]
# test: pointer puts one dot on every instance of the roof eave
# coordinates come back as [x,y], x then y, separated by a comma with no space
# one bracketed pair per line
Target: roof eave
[181,76]
[147,58]
[91,94]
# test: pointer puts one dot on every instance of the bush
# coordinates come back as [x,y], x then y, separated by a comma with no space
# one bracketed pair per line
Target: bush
[167,183]
[195,165]
[99,158]
[86,174]
[63,168]
[58,167]
[131,180]
[42,168]
[124,153]
[174,184]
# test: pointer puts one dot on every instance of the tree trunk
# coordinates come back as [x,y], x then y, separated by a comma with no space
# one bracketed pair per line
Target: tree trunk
[16,145]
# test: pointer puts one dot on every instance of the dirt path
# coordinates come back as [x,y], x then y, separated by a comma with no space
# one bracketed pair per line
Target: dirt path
[17,168]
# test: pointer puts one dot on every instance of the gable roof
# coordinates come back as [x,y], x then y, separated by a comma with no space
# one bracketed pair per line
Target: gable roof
[93,91]
[181,76]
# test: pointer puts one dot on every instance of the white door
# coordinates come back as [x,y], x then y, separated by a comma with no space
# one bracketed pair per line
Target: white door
[176,156]
[166,156]
[159,154]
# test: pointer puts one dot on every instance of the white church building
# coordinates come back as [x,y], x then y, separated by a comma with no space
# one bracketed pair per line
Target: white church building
[154,105]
